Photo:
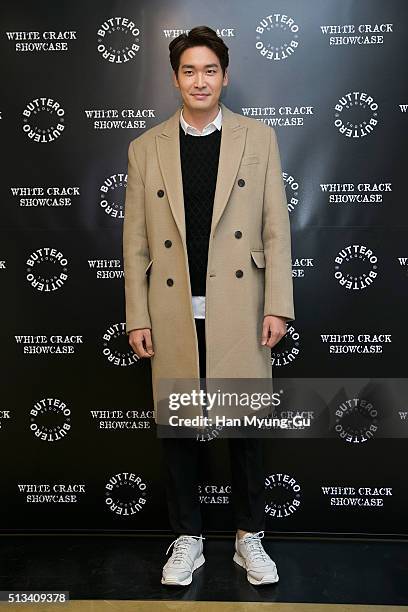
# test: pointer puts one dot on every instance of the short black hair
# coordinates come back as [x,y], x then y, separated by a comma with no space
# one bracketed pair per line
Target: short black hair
[197,37]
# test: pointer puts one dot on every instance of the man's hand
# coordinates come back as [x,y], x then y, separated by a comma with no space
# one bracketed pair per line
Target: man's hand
[276,327]
[141,342]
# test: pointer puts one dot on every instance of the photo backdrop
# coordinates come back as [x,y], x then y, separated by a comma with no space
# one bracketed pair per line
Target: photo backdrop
[78,445]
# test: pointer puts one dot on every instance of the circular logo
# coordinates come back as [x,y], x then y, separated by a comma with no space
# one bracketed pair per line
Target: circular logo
[287,349]
[355,267]
[43,120]
[125,494]
[116,346]
[118,40]
[277,37]
[209,432]
[47,269]
[292,192]
[355,114]
[283,495]
[112,193]
[50,419]
[356,420]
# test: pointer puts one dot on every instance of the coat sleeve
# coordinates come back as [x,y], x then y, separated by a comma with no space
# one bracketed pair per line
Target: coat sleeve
[276,239]
[135,248]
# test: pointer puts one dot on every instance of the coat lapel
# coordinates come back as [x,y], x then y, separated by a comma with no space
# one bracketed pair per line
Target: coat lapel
[168,153]
[231,150]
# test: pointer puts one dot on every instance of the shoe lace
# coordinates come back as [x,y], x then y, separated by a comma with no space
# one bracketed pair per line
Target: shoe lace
[254,546]
[181,545]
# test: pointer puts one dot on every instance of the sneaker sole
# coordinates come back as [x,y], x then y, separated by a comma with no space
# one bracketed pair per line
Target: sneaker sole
[268,579]
[174,582]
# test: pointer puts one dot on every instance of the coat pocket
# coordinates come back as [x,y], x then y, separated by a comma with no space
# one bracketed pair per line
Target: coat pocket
[258,256]
[249,159]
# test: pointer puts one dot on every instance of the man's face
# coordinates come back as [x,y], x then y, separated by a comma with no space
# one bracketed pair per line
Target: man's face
[200,79]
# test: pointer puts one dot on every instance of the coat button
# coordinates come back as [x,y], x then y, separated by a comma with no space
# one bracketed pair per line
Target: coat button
[238,234]
[239,273]
[160,193]
[241,182]
[167,243]
[170,282]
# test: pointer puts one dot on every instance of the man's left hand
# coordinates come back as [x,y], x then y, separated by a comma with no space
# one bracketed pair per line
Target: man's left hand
[273,330]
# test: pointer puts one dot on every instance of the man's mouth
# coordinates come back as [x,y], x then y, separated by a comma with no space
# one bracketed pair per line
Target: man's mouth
[200,96]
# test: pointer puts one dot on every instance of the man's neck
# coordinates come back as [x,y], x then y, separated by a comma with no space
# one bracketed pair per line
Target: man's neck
[199,119]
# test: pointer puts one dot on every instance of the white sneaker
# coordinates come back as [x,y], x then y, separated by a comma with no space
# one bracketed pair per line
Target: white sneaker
[250,554]
[187,555]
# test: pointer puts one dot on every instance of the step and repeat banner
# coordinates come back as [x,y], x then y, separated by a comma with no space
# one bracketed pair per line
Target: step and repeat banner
[78,443]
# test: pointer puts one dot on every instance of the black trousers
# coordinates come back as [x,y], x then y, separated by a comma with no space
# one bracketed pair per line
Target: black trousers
[181,469]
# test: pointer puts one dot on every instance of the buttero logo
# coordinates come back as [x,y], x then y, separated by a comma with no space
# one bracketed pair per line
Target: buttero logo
[47,269]
[50,419]
[43,120]
[112,195]
[116,347]
[283,495]
[125,494]
[118,40]
[356,420]
[288,349]
[355,267]
[355,114]
[277,37]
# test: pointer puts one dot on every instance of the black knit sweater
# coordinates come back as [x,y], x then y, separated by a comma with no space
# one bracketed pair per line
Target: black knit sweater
[199,165]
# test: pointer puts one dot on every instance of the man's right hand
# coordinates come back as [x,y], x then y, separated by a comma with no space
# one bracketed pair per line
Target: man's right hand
[141,342]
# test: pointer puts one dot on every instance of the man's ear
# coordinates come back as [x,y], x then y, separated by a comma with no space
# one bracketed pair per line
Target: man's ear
[225,80]
[175,80]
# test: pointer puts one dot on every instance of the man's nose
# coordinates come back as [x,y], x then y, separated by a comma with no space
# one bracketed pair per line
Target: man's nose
[200,82]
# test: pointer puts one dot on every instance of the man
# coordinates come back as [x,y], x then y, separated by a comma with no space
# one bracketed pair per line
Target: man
[208,279]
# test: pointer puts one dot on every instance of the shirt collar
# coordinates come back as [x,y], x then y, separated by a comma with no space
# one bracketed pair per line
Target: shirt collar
[217,122]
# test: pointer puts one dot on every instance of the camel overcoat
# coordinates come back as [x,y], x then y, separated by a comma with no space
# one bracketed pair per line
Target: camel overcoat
[249,272]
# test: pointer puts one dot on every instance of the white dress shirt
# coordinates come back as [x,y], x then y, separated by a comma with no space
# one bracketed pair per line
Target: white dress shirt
[199,300]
